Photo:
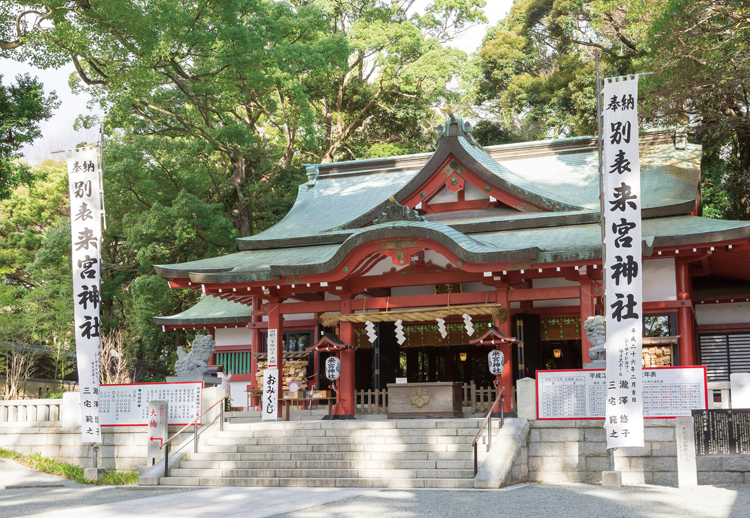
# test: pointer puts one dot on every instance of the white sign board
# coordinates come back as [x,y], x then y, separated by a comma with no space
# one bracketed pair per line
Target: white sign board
[623,268]
[86,234]
[272,344]
[269,412]
[127,404]
[157,430]
[582,394]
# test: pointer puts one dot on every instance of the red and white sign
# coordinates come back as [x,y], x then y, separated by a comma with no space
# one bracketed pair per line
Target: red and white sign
[127,404]
[667,392]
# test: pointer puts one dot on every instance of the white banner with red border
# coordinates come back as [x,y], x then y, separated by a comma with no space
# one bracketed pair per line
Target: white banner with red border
[667,392]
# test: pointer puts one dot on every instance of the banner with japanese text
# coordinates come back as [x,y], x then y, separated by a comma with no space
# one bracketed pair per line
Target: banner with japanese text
[270,395]
[86,232]
[622,262]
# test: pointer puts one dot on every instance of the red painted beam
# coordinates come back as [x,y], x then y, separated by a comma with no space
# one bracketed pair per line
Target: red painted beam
[566,292]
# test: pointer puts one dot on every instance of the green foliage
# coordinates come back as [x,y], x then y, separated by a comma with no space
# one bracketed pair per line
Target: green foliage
[65,470]
[23,106]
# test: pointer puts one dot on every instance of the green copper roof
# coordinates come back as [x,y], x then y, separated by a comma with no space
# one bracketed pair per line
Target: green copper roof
[560,175]
[209,310]
[537,245]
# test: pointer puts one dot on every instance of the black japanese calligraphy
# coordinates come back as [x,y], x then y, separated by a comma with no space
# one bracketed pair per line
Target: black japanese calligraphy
[84,213]
[620,132]
[619,306]
[85,239]
[90,327]
[614,103]
[87,263]
[82,189]
[623,196]
[89,296]
[622,230]
[624,269]
[621,163]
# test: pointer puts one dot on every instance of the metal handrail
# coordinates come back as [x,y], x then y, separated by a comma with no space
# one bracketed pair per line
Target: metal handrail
[194,422]
[488,421]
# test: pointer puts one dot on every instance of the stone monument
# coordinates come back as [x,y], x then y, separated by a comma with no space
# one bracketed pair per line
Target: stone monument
[193,365]
[595,328]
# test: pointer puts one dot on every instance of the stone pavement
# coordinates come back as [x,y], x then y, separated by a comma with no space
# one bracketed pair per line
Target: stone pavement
[533,500]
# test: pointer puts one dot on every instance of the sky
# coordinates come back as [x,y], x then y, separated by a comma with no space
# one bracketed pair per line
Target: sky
[58,133]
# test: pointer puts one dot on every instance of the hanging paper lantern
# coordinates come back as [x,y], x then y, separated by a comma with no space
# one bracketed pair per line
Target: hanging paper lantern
[400,337]
[467,323]
[496,361]
[333,368]
[371,334]
[441,327]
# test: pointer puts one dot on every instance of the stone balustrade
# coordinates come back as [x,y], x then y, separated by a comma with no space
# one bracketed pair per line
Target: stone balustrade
[30,410]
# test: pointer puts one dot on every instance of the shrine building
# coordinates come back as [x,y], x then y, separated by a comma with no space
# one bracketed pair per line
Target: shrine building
[507,234]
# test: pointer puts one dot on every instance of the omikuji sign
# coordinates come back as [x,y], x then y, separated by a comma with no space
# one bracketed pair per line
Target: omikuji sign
[622,242]
[86,233]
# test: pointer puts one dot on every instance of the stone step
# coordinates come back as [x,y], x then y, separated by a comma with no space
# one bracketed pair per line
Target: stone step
[357,425]
[311,439]
[328,456]
[327,464]
[317,448]
[343,432]
[322,473]
[391,483]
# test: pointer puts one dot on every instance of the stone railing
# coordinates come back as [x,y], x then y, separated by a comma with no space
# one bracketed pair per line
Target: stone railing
[724,391]
[25,410]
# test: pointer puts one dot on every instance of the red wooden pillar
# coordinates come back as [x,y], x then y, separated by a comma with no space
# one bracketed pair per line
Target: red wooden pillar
[685,326]
[587,310]
[276,321]
[346,403]
[506,378]
[256,346]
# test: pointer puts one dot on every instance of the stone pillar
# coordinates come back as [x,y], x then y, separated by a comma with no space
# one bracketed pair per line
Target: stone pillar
[347,395]
[685,325]
[276,321]
[587,310]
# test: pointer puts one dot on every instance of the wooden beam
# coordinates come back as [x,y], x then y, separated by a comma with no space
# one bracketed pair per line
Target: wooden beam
[565,292]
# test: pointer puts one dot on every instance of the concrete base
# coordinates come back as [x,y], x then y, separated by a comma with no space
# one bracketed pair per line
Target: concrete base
[94,473]
[612,478]
[345,417]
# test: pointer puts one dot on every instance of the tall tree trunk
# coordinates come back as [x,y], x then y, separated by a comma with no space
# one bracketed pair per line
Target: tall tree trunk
[244,222]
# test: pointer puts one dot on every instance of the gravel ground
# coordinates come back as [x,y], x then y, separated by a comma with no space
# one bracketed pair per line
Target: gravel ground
[537,500]
[33,500]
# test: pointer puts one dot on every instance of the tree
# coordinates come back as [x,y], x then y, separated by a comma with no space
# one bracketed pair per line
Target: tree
[380,101]
[537,64]
[23,106]
[701,56]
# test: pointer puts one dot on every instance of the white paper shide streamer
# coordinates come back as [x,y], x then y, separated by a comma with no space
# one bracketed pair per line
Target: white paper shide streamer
[623,257]
[86,232]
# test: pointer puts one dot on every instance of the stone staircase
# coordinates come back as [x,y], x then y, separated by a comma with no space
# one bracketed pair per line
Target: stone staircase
[381,454]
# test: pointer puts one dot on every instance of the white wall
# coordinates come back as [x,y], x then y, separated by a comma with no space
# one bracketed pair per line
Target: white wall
[445,196]
[732,313]
[659,280]
[474,193]
[233,336]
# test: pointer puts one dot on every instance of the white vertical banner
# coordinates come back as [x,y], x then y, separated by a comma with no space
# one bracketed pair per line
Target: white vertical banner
[272,344]
[86,233]
[623,258]
[270,395]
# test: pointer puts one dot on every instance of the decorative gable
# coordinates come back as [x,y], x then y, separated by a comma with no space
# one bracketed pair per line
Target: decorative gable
[455,187]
